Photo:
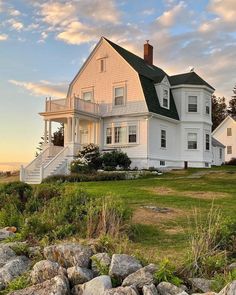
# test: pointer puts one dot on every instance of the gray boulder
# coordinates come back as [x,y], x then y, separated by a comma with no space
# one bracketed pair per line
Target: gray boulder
[59,285]
[229,289]
[143,276]
[96,286]
[150,290]
[102,260]
[122,291]
[232,266]
[200,284]
[123,265]
[12,269]
[165,288]
[45,270]
[207,293]
[5,233]
[69,254]
[78,275]
[6,254]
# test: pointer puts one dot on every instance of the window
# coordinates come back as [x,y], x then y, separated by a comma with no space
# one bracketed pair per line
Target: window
[102,65]
[120,134]
[221,153]
[192,141]
[192,104]
[229,131]
[162,163]
[119,96]
[207,108]
[207,142]
[163,138]
[88,95]
[132,134]
[165,101]
[206,164]
[109,136]
[229,149]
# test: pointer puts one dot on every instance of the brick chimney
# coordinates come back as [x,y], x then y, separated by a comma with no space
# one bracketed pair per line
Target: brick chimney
[148,53]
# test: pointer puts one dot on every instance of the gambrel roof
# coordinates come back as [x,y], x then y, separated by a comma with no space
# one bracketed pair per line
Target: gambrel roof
[150,75]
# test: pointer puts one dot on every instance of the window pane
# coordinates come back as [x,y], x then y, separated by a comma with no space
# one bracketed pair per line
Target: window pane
[207,108]
[119,96]
[165,98]
[87,95]
[109,136]
[102,65]
[120,134]
[207,142]
[229,132]
[163,138]
[192,104]
[192,141]
[132,133]
[229,149]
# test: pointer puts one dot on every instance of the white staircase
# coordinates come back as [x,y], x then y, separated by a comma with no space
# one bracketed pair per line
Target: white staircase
[52,161]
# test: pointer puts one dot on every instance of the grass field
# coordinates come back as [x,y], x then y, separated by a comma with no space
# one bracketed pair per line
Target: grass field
[166,234]
[181,191]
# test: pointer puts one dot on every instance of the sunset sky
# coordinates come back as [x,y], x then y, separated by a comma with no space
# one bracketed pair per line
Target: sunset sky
[44,43]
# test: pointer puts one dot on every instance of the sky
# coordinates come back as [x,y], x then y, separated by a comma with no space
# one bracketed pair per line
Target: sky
[44,43]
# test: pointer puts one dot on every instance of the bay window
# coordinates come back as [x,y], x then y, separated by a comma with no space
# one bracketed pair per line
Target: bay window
[192,104]
[108,136]
[120,134]
[207,142]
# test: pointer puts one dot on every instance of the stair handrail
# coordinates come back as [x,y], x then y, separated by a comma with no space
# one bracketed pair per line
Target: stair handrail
[54,160]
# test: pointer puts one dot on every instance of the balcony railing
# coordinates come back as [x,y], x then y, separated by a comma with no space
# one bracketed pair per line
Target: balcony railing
[57,105]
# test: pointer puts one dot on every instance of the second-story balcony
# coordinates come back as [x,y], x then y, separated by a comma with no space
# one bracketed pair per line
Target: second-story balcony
[75,104]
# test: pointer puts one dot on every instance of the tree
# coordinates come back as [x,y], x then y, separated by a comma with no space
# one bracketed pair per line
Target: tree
[219,110]
[232,104]
[57,139]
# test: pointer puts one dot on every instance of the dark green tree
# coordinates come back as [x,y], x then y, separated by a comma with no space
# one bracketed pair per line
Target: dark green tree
[232,104]
[57,139]
[219,110]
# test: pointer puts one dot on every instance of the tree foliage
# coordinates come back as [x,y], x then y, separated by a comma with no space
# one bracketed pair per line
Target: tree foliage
[232,104]
[219,110]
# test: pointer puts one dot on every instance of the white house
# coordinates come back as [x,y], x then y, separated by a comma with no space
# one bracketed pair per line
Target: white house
[226,133]
[119,100]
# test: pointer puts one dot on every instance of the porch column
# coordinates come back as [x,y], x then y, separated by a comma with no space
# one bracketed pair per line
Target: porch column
[45,131]
[50,132]
[95,132]
[69,129]
[77,139]
[73,130]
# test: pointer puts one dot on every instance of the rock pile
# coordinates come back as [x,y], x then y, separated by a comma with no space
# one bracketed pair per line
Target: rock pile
[73,269]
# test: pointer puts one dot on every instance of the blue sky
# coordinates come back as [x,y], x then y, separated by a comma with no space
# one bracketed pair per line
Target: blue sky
[44,43]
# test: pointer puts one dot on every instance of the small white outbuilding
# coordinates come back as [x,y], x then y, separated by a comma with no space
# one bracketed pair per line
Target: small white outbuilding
[218,152]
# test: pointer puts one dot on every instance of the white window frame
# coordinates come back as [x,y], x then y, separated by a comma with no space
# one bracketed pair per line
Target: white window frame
[130,134]
[124,95]
[192,112]
[188,134]
[165,89]
[86,90]
[164,147]
[102,61]
[162,163]
[229,150]
[125,125]
[207,134]
[207,107]
[229,131]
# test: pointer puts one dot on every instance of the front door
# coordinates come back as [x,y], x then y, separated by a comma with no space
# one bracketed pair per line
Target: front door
[84,136]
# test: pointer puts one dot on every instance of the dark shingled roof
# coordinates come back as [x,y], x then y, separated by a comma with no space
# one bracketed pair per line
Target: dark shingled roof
[149,75]
[215,142]
[188,78]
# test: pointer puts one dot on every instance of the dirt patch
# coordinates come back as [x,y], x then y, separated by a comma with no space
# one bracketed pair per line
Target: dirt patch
[205,195]
[161,190]
[174,230]
[147,216]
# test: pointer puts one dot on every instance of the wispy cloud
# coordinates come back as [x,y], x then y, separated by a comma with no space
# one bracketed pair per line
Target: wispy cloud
[3,37]
[42,88]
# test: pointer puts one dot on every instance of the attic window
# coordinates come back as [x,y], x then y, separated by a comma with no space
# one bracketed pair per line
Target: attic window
[102,65]
[165,98]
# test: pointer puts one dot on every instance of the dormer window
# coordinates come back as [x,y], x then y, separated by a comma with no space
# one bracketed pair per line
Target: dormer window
[165,98]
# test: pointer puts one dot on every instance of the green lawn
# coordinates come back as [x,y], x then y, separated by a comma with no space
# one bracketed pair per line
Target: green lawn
[182,192]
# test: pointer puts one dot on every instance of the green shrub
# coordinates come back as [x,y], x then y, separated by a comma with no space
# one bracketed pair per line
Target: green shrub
[10,215]
[20,249]
[114,159]
[166,273]
[20,189]
[222,279]
[18,283]
[96,176]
